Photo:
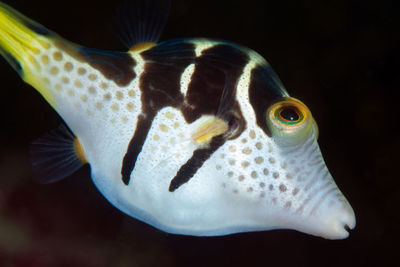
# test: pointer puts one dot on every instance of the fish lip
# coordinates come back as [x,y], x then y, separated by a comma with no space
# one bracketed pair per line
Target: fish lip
[343,226]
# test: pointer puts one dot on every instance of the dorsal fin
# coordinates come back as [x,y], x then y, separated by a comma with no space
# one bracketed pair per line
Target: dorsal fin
[139,22]
[56,155]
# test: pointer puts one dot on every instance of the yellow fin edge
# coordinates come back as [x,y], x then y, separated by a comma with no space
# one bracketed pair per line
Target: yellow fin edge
[80,154]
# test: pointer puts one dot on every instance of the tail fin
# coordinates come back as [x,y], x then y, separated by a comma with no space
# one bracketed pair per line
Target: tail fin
[21,42]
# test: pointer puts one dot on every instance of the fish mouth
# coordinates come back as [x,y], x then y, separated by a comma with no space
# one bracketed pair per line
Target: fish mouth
[337,223]
[345,224]
[329,222]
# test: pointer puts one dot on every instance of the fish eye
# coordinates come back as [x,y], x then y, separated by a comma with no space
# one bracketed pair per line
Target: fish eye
[289,115]
[289,120]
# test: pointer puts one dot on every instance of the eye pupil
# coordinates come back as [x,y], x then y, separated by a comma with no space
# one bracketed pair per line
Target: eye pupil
[290,114]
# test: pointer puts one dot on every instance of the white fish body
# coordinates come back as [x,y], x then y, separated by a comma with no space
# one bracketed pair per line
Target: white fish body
[192,136]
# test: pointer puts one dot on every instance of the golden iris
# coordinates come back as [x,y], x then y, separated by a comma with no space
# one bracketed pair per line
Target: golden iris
[289,114]
[289,119]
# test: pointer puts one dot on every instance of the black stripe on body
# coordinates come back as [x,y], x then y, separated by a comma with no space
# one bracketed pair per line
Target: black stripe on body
[159,84]
[211,91]
[265,89]
[115,66]
[189,169]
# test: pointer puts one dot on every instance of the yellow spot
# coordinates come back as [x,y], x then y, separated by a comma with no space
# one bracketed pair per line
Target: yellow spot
[156,137]
[245,164]
[84,98]
[114,107]
[81,71]
[210,127]
[92,77]
[78,84]
[271,160]
[45,59]
[33,61]
[142,46]
[79,151]
[92,90]
[241,178]
[119,95]
[259,160]
[44,44]
[253,174]
[176,125]
[169,115]
[252,134]
[232,148]
[164,128]
[124,119]
[103,85]
[258,145]
[131,93]
[130,106]
[71,92]
[244,140]
[57,56]
[65,79]
[54,71]
[107,96]
[58,87]
[99,105]
[282,188]
[246,151]
[68,66]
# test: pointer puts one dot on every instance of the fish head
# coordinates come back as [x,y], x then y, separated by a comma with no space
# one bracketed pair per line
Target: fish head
[275,176]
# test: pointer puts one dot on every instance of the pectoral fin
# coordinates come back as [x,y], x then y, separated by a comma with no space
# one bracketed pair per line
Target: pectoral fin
[208,127]
[56,155]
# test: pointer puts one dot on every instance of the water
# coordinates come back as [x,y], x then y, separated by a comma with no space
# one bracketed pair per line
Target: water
[339,57]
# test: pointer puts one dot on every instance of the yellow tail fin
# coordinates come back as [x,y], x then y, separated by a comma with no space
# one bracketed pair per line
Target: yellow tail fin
[21,43]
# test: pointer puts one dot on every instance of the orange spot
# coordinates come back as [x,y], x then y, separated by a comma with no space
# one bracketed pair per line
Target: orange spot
[57,56]
[141,47]
[79,151]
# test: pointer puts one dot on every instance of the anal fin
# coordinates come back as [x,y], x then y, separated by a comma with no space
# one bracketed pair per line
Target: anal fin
[56,155]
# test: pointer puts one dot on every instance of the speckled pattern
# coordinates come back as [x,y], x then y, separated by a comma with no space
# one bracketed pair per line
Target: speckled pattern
[321,53]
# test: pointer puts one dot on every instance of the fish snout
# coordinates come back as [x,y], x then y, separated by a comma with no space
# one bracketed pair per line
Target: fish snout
[340,221]
[333,220]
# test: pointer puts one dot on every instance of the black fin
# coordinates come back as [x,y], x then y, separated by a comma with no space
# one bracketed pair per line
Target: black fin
[141,21]
[53,156]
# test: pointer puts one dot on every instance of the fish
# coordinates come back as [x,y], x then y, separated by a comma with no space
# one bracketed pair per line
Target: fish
[193,136]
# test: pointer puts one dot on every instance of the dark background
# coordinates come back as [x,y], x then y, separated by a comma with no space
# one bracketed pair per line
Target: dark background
[338,56]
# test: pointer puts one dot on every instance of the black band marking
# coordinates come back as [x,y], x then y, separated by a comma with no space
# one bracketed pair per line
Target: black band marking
[211,91]
[189,169]
[264,90]
[115,66]
[135,146]
[160,88]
